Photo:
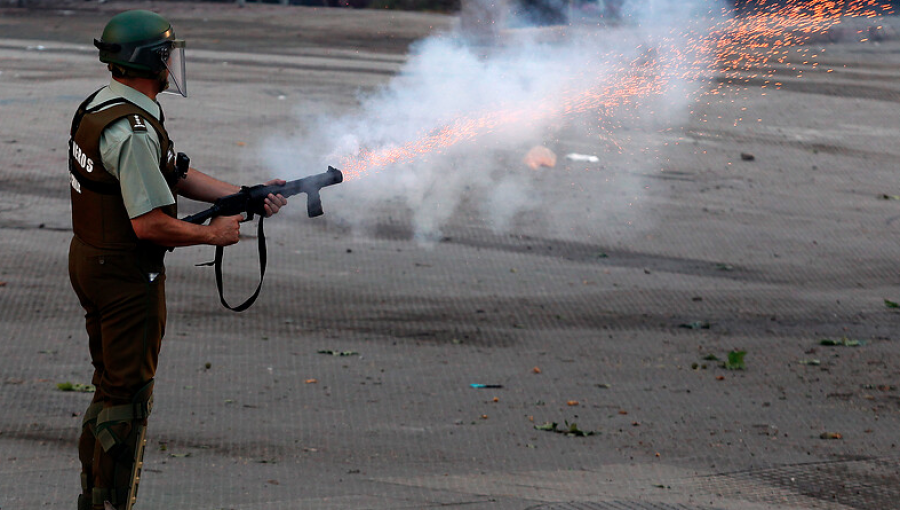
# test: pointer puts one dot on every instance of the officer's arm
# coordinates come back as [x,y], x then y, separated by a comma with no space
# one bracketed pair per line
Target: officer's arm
[199,186]
[164,230]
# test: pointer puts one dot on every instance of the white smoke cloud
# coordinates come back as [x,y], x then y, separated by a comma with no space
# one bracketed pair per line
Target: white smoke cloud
[532,86]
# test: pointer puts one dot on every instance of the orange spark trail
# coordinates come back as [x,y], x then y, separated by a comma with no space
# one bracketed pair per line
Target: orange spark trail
[755,39]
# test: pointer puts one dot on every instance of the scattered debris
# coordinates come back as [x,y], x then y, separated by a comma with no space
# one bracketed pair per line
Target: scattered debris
[540,156]
[339,353]
[582,157]
[879,387]
[724,267]
[695,325]
[572,403]
[736,360]
[831,435]
[708,357]
[811,362]
[484,386]
[746,156]
[82,388]
[311,381]
[891,304]
[536,370]
[570,429]
[843,341]
[890,197]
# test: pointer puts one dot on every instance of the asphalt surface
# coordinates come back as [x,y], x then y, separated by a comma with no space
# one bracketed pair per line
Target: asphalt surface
[607,326]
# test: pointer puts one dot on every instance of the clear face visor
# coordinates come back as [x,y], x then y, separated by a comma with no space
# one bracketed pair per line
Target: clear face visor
[175,66]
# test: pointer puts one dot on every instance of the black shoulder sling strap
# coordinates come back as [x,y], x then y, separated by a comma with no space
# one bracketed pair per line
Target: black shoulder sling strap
[217,263]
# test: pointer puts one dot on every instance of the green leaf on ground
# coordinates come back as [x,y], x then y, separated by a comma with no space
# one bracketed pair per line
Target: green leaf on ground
[81,388]
[843,341]
[811,362]
[891,304]
[736,360]
[339,353]
[711,357]
[570,429]
[695,325]
[574,431]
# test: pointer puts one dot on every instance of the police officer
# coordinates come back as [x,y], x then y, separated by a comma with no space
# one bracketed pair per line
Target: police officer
[124,182]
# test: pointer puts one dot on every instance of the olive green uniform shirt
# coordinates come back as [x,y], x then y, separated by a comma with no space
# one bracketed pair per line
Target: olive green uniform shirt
[133,158]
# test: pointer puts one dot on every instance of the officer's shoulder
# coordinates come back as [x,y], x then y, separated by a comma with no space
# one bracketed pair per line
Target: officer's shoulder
[125,128]
[138,123]
[129,125]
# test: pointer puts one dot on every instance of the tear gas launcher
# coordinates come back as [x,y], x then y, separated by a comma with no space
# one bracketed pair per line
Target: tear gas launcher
[250,201]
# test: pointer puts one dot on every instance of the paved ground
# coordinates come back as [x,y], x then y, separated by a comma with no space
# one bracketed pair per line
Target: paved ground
[582,324]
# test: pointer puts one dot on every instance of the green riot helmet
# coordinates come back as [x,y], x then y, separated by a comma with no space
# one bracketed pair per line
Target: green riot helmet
[143,44]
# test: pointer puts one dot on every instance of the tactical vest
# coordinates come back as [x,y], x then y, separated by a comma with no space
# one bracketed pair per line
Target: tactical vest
[99,217]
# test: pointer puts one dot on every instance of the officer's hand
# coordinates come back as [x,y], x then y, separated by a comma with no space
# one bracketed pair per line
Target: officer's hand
[226,230]
[274,202]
